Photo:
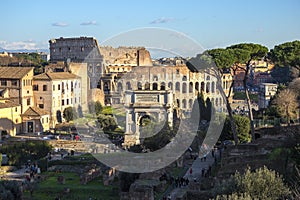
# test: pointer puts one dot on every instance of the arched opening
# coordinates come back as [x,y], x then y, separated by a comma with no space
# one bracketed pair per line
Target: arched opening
[207,87]
[106,86]
[202,86]
[147,86]
[184,104]
[162,86]
[177,86]
[184,78]
[191,87]
[191,103]
[128,86]
[217,102]
[145,120]
[178,103]
[213,87]
[139,86]
[170,85]
[184,88]
[155,78]
[154,86]
[119,87]
[197,86]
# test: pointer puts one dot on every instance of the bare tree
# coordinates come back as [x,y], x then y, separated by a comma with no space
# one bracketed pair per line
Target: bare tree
[287,104]
[295,86]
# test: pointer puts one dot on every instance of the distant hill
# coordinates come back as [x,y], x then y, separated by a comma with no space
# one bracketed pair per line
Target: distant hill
[23,50]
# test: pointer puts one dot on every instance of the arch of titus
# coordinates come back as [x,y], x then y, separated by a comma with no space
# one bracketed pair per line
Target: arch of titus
[138,104]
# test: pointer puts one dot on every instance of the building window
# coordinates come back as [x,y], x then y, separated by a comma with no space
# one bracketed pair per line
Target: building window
[47,119]
[58,86]
[213,87]
[23,82]
[177,71]
[184,88]
[128,86]
[42,120]
[191,87]
[14,83]
[75,100]
[207,87]
[177,86]
[27,91]
[67,101]
[53,88]
[41,106]
[170,85]
[162,86]
[191,103]
[154,86]
[35,87]
[17,121]
[184,103]
[28,102]
[41,97]
[63,102]
[3,83]
[16,109]
[44,87]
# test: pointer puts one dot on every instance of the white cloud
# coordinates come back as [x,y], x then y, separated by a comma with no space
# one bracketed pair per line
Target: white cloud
[88,23]
[161,20]
[28,44]
[60,24]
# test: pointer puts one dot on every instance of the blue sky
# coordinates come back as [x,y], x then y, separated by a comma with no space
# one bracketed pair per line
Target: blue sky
[212,23]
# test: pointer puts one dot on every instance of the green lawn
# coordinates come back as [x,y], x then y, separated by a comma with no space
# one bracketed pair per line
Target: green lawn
[49,189]
[242,96]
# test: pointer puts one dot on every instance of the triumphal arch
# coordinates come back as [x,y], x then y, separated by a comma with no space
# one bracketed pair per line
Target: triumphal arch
[139,104]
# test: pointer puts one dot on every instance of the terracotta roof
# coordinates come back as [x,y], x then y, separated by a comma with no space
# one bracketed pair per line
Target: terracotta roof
[55,76]
[14,72]
[34,111]
[8,104]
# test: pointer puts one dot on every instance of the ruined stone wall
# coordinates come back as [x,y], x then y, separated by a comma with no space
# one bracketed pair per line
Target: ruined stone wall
[75,49]
[134,56]
[144,58]
[96,94]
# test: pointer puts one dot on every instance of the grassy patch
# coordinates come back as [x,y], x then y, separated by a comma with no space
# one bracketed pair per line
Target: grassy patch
[49,189]
[242,96]
[108,110]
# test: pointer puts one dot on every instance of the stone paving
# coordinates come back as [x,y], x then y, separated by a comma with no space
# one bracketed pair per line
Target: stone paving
[196,174]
